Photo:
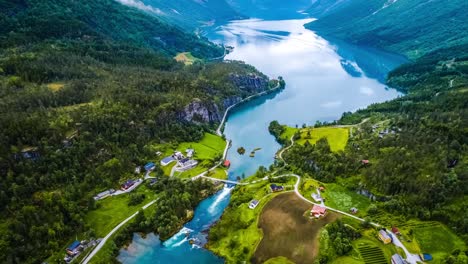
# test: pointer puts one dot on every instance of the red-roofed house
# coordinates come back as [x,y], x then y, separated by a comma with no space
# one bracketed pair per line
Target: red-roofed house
[318,211]
[227,163]
[395,230]
[365,162]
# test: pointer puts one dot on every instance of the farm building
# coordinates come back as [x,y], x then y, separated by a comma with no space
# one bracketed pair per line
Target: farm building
[103,194]
[150,166]
[74,248]
[167,160]
[397,259]
[318,211]
[253,204]
[383,235]
[227,164]
[187,164]
[276,188]
[190,152]
[127,185]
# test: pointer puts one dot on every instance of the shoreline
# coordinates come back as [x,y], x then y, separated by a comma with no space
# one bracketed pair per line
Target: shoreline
[220,129]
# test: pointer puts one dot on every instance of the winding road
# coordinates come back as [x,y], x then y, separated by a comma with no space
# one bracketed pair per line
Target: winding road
[103,241]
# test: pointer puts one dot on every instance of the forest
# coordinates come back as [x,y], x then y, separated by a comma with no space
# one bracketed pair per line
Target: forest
[416,145]
[85,87]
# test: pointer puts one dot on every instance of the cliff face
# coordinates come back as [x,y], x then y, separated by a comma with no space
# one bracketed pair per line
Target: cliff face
[201,112]
[209,112]
[251,83]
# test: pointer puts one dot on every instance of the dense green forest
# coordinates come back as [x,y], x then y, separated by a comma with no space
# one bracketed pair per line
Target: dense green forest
[412,27]
[85,87]
[416,144]
[188,14]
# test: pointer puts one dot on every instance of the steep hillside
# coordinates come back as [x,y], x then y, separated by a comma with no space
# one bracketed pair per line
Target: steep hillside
[86,89]
[271,9]
[404,26]
[189,14]
[30,21]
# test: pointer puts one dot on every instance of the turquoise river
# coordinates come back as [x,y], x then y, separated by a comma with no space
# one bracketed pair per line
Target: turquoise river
[324,79]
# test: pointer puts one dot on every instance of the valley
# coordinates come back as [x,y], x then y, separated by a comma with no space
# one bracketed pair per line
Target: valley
[147,131]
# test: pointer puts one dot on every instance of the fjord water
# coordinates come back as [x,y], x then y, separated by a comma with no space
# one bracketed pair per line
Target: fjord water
[323,79]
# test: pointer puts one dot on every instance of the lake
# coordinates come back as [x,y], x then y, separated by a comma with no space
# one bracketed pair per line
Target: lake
[324,78]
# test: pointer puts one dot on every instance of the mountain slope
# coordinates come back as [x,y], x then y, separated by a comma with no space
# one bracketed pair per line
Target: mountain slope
[189,14]
[405,26]
[270,9]
[87,90]
[25,21]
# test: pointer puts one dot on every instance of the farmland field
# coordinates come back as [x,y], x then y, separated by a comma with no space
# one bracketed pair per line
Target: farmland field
[287,232]
[337,136]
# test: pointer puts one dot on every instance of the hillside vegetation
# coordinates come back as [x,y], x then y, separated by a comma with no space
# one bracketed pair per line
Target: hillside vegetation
[86,87]
[188,14]
[412,27]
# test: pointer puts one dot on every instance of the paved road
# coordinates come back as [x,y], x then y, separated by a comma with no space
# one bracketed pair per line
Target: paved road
[410,258]
[103,241]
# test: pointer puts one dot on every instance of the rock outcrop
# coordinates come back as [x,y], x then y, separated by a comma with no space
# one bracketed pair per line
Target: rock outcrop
[251,83]
[201,112]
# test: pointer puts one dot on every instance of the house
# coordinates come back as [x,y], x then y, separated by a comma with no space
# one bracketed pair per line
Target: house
[167,160]
[322,189]
[138,170]
[317,197]
[397,259]
[276,188]
[353,210]
[383,235]
[150,166]
[190,152]
[318,211]
[159,153]
[178,155]
[253,204]
[365,162]
[395,230]
[127,185]
[187,164]
[227,164]
[74,248]
[104,194]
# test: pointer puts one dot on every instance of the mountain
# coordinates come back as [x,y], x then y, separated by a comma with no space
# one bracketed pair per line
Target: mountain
[402,26]
[188,14]
[271,9]
[87,89]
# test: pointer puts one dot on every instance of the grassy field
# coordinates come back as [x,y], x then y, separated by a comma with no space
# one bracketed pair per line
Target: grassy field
[186,57]
[339,197]
[210,147]
[55,87]
[113,210]
[278,260]
[239,243]
[436,239]
[288,232]
[337,137]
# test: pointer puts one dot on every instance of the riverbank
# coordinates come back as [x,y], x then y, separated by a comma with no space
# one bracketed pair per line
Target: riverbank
[280,85]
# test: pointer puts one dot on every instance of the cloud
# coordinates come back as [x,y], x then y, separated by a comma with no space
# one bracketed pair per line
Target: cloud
[332,104]
[366,90]
[140,5]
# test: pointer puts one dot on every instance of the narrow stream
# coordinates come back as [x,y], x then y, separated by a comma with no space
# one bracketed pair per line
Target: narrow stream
[324,79]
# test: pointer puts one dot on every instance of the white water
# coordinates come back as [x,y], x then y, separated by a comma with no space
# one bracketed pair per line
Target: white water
[225,192]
